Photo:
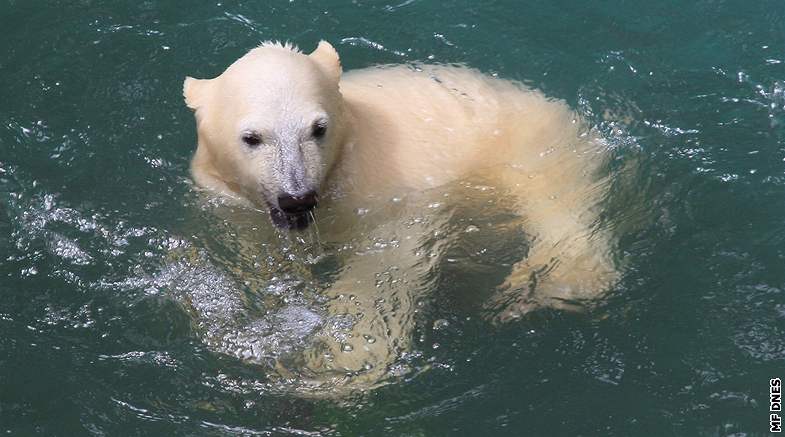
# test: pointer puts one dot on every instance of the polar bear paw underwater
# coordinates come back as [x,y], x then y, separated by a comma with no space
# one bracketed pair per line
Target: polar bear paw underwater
[291,134]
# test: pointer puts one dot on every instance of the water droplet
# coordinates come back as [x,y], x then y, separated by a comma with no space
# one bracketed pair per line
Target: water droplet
[346,347]
[440,324]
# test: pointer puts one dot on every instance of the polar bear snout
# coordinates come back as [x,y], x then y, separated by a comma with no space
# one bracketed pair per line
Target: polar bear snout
[297,204]
[294,212]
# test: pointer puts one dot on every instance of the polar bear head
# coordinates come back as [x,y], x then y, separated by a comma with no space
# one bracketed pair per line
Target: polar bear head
[270,128]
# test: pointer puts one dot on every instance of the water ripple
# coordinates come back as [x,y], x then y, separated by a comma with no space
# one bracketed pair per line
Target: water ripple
[365,42]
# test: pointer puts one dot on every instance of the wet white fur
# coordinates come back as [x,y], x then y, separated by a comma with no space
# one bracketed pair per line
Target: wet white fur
[395,130]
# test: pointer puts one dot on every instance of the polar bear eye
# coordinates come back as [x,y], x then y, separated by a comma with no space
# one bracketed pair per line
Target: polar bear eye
[252,139]
[319,129]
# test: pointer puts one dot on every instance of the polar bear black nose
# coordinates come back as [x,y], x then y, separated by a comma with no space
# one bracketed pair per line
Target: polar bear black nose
[297,204]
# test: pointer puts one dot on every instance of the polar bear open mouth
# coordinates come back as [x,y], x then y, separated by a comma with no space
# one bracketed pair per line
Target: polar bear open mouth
[294,211]
[285,220]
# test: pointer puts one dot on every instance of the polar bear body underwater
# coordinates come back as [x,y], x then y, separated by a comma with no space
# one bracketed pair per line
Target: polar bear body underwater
[283,131]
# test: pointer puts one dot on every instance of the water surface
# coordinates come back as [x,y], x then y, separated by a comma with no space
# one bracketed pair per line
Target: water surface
[120,281]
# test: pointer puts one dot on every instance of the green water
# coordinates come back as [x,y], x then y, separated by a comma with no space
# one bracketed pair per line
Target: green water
[95,337]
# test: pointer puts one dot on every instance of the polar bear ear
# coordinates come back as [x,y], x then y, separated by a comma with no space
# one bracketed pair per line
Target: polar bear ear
[194,91]
[327,59]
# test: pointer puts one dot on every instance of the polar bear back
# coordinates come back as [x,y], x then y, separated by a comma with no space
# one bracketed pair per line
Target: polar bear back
[432,125]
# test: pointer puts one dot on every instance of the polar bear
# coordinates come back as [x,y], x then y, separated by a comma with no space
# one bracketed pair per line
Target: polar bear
[291,134]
